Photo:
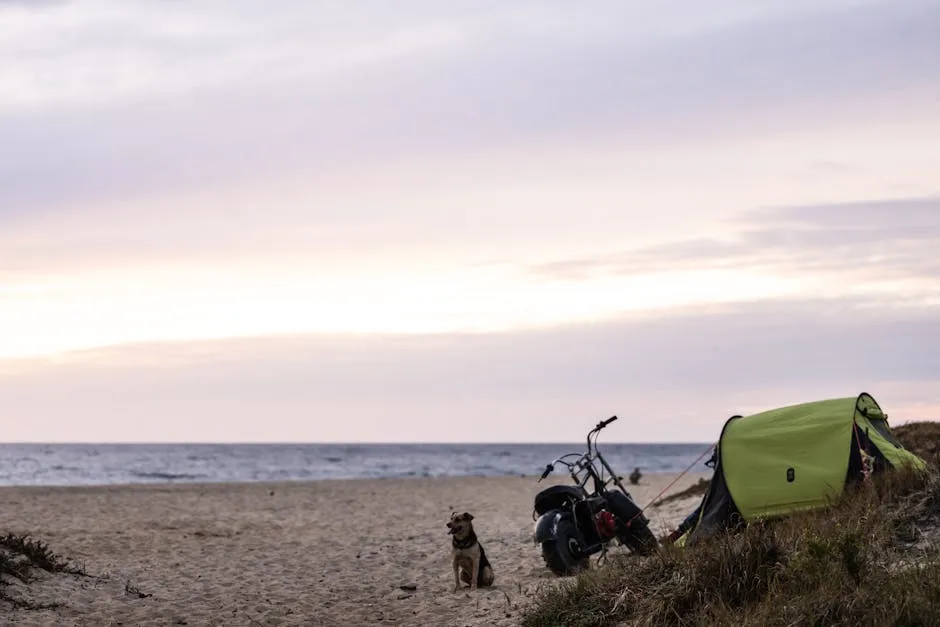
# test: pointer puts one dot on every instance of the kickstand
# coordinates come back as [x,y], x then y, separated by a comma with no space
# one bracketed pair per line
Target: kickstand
[602,557]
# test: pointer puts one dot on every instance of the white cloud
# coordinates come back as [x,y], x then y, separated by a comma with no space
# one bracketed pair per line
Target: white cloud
[879,250]
[96,51]
[113,102]
[102,53]
[675,377]
[206,169]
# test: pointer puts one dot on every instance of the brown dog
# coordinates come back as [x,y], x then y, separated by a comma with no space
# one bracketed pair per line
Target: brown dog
[468,557]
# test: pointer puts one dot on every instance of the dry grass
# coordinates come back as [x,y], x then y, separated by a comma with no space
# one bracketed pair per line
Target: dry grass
[21,557]
[697,489]
[30,553]
[870,558]
[922,439]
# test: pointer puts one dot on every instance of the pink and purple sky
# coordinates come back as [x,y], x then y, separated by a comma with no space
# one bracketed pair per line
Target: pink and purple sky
[463,221]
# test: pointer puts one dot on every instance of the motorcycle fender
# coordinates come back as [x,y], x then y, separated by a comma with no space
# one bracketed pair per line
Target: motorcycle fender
[625,509]
[546,525]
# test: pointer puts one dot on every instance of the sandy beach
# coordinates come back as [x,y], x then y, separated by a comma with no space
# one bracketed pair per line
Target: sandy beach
[356,552]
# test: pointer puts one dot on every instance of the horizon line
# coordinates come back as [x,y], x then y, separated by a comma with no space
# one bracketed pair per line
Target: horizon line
[327,443]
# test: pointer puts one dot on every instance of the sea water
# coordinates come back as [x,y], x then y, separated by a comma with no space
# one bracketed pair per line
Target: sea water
[109,464]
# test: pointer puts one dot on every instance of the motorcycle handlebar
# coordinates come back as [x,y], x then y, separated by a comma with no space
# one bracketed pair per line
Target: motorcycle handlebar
[604,423]
[548,470]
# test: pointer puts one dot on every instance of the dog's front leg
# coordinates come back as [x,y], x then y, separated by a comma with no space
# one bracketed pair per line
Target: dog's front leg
[456,576]
[476,573]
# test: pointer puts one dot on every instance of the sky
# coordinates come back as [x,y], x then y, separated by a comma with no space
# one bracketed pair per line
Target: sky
[463,221]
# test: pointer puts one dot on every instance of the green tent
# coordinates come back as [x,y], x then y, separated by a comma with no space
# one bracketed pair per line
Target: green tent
[794,458]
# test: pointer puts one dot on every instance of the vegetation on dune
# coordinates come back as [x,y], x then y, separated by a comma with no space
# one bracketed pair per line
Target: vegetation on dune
[922,439]
[871,558]
[31,553]
[21,558]
[699,488]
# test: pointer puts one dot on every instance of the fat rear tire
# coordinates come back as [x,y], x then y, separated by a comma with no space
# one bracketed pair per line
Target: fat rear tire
[559,554]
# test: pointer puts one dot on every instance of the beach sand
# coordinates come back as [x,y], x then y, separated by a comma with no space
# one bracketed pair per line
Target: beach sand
[310,553]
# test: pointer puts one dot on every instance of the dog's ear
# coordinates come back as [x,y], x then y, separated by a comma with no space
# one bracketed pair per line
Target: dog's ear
[467,516]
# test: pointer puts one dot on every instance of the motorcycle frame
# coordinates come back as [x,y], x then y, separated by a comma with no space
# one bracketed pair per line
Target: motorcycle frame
[586,463]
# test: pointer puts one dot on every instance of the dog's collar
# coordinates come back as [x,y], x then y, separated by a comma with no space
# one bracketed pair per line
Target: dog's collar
[466,543]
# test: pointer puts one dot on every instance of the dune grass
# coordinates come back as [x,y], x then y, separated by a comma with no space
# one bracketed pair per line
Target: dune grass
[922,439]
[699,488]
[22,558]
[870,558]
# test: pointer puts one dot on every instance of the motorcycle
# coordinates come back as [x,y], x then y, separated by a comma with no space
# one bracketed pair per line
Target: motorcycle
[574,523]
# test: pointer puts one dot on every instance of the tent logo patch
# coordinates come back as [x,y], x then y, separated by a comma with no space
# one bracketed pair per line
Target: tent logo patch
[791,475]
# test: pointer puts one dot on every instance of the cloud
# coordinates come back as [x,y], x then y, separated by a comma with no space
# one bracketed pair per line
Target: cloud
[887,239]
[881,250]
[137,134]
[190,98]
[675,377]
[31,4]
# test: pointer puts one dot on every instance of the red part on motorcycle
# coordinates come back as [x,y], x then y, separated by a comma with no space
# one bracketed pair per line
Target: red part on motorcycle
[606,524]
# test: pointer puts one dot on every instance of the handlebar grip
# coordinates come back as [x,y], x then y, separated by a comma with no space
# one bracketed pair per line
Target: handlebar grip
[547,471]
[604,423]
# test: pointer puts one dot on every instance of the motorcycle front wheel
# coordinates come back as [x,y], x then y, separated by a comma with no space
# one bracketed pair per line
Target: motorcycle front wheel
[560,554]
[635,532]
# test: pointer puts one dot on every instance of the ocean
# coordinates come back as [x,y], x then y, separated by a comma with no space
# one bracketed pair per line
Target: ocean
[112,464]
